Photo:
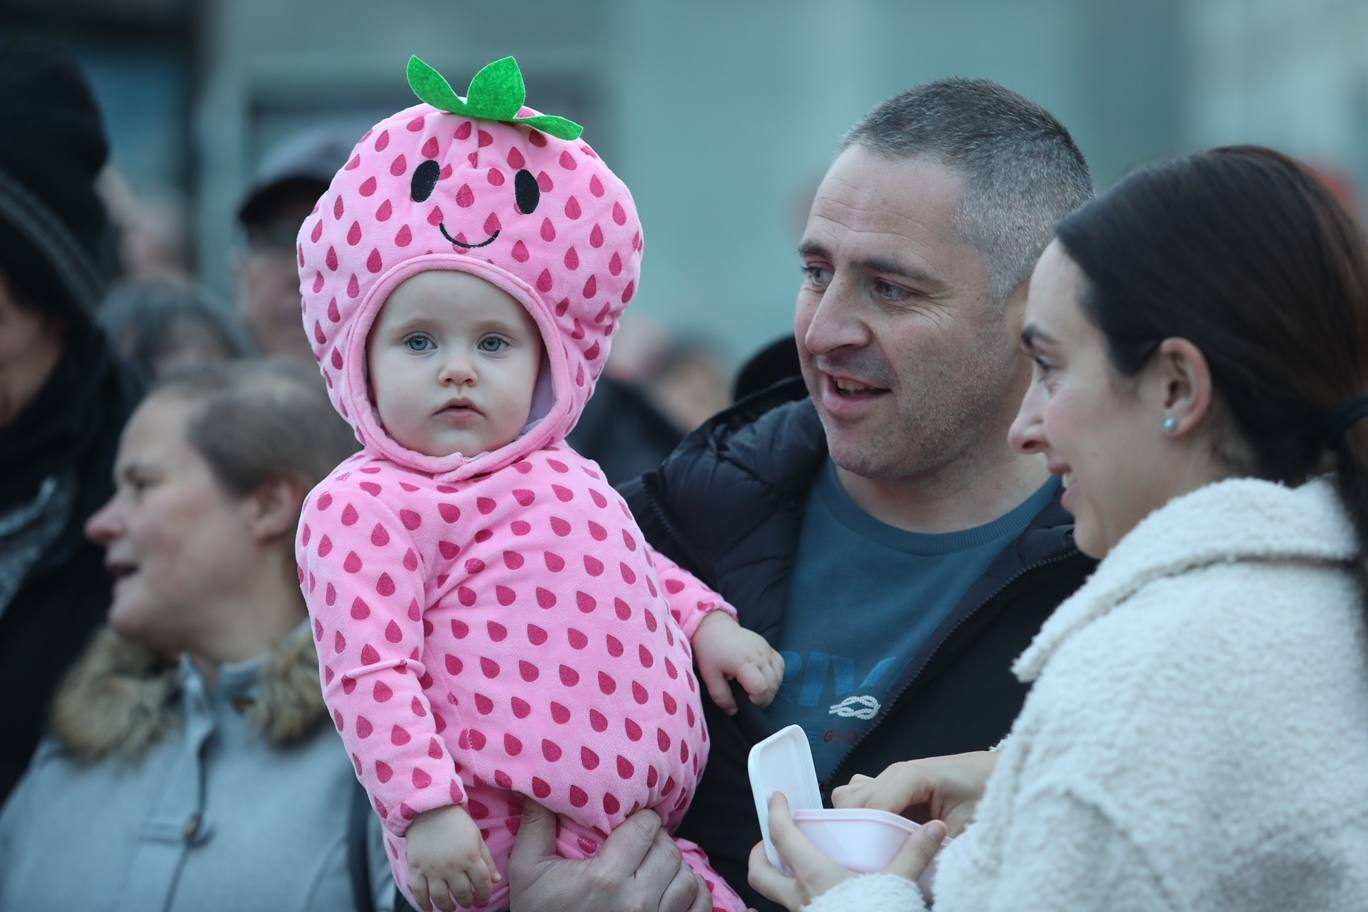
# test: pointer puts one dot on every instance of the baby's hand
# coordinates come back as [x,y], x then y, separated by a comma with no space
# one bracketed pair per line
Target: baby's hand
[724,649]
[448,858]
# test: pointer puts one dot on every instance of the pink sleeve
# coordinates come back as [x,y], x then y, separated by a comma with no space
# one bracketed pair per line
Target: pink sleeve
[690,600]
[363,582]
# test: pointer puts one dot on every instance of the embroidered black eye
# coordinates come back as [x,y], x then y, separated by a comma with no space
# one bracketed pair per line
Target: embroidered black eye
[526,192]
[424,179]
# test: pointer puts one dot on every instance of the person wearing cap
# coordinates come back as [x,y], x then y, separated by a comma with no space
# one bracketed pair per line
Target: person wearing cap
[64,396]
[291,178]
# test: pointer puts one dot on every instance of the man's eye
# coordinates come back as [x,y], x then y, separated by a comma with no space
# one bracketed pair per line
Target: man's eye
[888,292]
[492,344]
[817,276]
[419,343]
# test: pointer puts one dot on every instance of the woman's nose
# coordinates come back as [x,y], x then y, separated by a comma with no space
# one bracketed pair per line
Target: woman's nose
[1026,435]
[104,525]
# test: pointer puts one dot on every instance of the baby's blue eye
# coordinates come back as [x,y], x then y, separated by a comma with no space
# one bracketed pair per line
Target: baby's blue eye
[492,344]
[419,342]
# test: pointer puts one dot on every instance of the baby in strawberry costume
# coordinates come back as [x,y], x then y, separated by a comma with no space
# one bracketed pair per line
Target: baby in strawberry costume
[491,623]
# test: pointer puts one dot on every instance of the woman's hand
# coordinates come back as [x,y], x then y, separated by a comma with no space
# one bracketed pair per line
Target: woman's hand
[815,873]
[937,788]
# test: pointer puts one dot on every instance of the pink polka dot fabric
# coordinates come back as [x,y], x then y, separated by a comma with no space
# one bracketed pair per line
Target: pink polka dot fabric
[493,625]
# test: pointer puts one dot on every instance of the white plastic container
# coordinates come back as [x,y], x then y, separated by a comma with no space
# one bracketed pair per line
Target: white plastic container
[863,840]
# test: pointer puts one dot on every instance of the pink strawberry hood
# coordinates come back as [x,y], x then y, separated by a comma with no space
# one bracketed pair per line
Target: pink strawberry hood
[486,186]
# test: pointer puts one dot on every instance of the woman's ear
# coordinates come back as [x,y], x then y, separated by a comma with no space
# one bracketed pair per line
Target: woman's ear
[1181,385]
[273,508]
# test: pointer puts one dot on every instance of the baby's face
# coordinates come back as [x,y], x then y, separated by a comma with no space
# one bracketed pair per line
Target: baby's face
[453,363]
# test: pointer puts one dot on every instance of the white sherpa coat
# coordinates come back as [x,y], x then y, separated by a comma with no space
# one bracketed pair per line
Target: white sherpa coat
[1197,734]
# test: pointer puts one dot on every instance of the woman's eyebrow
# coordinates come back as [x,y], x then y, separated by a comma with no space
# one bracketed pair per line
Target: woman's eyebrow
[1032,333]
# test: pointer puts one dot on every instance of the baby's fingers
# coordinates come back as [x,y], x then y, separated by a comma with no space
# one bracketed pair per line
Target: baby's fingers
[440,892]
[774,667]
[459,887]
[494,874]
[758,683]
[481,876]
[418,885]
[718,688]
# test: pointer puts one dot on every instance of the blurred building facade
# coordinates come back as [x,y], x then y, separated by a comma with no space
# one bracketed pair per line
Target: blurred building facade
[720,115]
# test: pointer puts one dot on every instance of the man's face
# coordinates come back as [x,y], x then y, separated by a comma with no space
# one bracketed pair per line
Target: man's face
[268,281]
[910,363]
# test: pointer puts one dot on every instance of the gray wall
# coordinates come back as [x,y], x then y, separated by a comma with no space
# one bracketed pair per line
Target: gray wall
[721,116]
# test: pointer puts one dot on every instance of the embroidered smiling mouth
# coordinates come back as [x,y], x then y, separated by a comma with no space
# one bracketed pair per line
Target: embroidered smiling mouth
[442,226]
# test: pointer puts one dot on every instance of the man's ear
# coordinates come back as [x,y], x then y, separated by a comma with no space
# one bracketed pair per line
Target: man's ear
[1182,385]
[273,508]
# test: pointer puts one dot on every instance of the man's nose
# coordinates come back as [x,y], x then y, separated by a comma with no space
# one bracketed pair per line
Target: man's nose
[835,321]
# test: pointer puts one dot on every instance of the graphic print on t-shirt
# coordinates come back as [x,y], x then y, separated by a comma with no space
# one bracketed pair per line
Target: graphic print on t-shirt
[866,600]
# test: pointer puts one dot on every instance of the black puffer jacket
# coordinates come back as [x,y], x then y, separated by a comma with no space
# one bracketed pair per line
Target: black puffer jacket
[728,505]
[71,432]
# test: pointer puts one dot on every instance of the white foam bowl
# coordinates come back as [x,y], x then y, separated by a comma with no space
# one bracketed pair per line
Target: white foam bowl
[865,841]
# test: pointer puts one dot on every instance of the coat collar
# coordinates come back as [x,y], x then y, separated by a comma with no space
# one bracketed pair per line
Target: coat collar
[119,699]
[1229,521]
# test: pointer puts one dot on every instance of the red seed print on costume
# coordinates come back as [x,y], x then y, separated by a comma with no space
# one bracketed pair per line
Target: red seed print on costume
[525,581]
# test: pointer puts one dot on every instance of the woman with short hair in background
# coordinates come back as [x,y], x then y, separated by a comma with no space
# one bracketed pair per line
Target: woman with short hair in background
[191,764]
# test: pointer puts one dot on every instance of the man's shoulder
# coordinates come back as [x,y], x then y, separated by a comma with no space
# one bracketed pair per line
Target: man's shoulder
[773,437]
[737,484]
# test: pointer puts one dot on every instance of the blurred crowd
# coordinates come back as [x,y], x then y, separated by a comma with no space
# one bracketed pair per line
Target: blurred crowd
[1184,380]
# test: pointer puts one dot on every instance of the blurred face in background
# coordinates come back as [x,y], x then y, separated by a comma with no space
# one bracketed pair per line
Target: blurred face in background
[30,347]
[177,544]
[268,279]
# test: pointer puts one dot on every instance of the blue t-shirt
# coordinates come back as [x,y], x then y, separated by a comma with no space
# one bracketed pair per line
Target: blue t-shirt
[865,598]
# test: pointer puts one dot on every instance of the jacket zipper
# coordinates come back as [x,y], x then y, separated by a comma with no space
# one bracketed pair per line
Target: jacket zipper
[890,704]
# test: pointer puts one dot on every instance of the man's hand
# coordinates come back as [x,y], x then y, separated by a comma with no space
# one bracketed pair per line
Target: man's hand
[815,873]
[937,788]
[637,869]
[724,650]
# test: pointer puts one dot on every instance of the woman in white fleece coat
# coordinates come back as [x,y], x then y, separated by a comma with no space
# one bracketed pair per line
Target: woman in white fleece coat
[1196,737]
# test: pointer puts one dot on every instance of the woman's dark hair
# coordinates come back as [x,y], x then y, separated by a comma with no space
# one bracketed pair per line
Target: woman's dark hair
[261,419]
[1244,253]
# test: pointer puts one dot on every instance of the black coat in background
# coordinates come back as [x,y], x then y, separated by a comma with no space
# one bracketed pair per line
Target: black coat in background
[728,505]
[71,428]
[622,431]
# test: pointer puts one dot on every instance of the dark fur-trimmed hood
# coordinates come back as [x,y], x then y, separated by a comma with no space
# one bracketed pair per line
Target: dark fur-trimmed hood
[120,698]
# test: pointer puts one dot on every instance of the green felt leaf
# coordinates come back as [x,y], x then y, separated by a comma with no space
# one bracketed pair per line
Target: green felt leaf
[432,87]
[497,92]
[559,127]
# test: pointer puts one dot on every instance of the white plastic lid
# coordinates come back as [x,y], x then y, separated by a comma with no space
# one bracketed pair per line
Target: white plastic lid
[783,763]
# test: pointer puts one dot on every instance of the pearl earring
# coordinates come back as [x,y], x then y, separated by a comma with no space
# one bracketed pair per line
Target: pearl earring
[1170,424]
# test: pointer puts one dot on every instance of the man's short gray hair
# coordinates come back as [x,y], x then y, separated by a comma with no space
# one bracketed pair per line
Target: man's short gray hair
[1022,171]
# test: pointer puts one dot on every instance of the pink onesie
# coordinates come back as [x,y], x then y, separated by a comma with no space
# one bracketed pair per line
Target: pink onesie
[494,625]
